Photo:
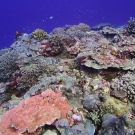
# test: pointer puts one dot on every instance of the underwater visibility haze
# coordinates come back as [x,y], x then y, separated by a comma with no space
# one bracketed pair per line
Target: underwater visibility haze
[26,16]
[67,67]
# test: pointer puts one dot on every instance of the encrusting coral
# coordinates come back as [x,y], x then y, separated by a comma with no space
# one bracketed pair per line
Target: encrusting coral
[119,107]
[91,102]
[35,112]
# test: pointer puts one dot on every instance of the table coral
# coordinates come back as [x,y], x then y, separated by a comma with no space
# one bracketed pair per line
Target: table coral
[105,55]
[108,31]
[69,59]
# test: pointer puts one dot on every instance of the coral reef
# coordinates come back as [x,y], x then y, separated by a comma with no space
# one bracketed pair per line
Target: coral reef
[74,80]
[45,82]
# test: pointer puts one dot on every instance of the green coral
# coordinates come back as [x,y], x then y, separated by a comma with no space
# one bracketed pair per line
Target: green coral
[68,55]
[96,115]
[39,34]
[118,106]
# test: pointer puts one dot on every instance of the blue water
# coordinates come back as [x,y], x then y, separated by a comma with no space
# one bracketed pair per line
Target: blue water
[27,15]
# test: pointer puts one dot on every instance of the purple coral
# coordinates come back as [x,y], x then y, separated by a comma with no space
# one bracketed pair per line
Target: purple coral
[79,127]
[113,125]
[91,102]
[61,123]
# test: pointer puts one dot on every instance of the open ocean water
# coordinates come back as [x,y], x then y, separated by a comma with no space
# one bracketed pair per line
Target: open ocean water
[27,15]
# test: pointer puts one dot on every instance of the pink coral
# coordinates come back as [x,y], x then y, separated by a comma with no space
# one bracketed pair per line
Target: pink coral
[77,117]
[35,112]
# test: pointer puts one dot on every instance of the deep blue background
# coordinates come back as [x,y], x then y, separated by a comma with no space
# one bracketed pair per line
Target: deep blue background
[27,15]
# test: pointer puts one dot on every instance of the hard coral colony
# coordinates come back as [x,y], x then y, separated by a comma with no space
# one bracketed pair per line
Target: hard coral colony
[74,80]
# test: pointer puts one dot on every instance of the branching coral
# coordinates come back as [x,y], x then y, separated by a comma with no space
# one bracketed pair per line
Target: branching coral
[29,75]
[7,63]
[96,115]
[131,26]
[126,84]
[39,34]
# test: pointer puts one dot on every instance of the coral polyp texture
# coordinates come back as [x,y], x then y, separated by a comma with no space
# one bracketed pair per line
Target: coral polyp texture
[125,84]
[39,34]
[76,80]
[35,112]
